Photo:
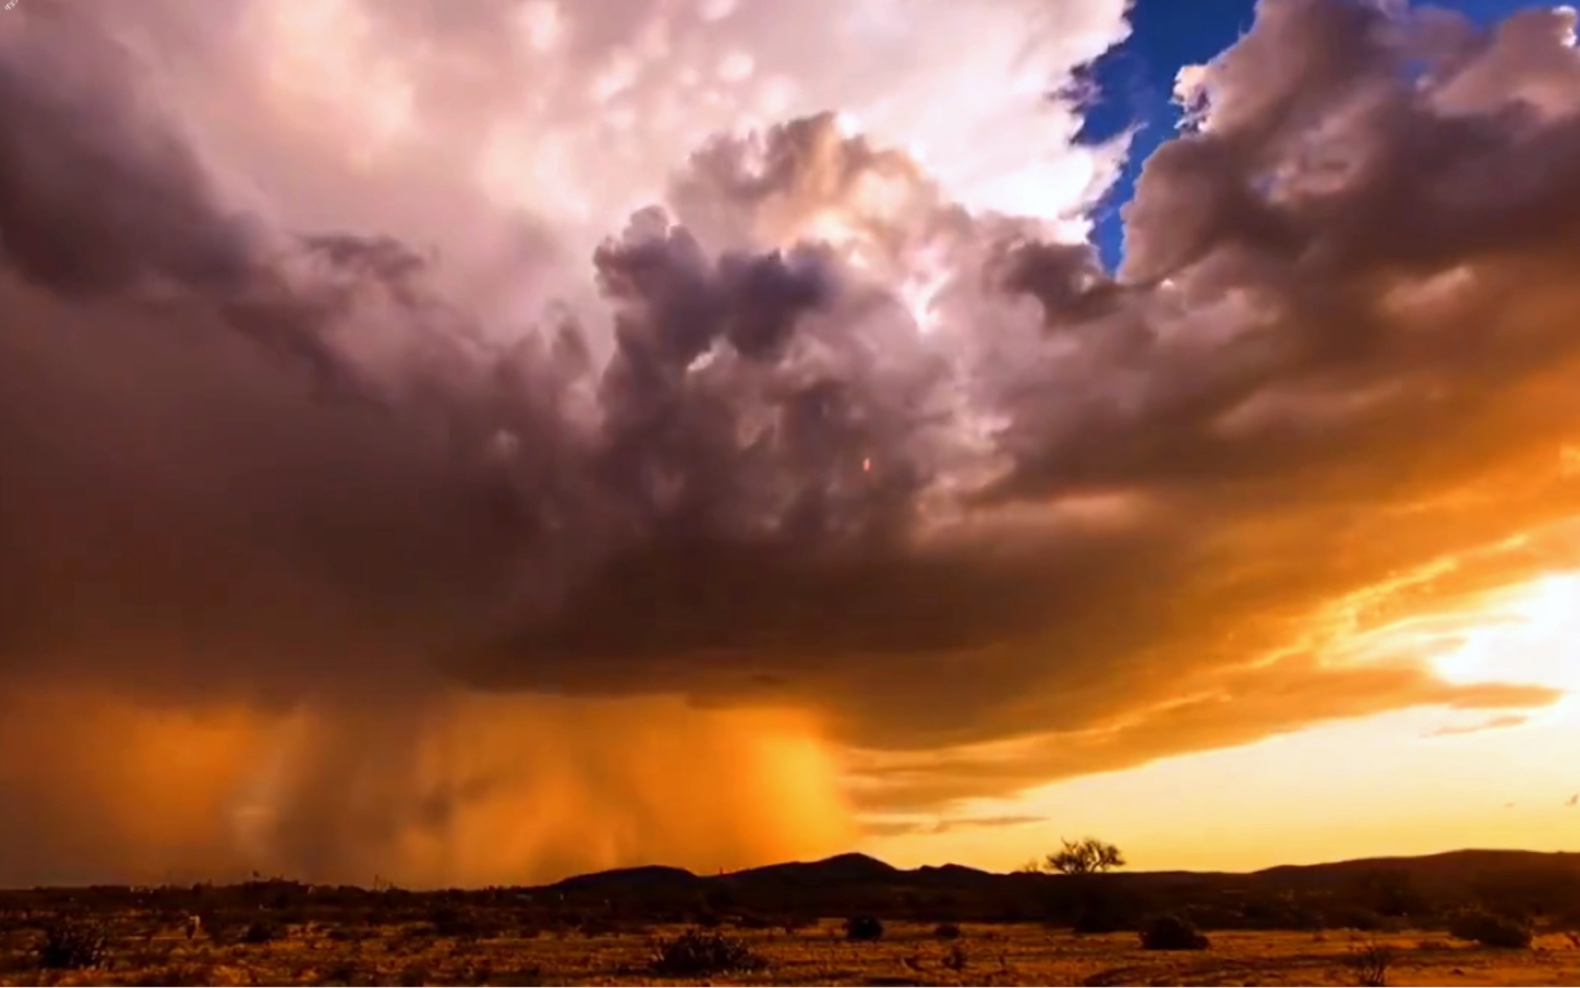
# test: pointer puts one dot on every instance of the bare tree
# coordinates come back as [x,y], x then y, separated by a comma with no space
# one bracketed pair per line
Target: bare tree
[1088,856]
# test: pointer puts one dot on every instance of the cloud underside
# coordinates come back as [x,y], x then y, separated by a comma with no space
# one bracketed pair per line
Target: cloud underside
[1065,521]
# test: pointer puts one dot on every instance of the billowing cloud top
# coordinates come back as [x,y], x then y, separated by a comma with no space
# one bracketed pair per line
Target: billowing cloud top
[309,391]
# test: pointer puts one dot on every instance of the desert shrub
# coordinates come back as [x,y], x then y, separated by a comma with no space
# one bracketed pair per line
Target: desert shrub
[219,927]
[1491,930]
[1170,932]
[72,946]
[696,953]
[448,921]
[863,928]
[1371,966]
[260,932]
[947,931]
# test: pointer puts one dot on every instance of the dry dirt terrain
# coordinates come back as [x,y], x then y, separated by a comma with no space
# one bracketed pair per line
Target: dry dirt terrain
[146,951]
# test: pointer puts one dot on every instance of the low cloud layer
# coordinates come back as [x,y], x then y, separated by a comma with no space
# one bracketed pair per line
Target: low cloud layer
[814,450]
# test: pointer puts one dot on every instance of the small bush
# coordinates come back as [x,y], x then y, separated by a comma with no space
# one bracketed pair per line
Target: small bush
[1491,930]
[863,928]
[1371,966]
[220,928]
[260,932]
[696,953]
[450,921]
[947,931]
[1170,932]
[71,947]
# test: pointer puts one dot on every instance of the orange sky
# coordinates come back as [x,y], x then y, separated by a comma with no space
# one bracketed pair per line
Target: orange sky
[1415,782]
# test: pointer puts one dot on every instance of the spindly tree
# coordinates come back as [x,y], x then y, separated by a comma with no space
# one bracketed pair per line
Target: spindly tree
[1088,856]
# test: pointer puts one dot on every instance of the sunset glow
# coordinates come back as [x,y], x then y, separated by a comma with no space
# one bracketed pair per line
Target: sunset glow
[1528,634]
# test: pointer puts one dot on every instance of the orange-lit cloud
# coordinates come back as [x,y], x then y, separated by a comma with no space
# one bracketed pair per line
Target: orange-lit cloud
[403,498]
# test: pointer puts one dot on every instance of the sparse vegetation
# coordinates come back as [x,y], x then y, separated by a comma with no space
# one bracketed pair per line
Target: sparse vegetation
[1491,930]
[260,931]
[71,946]
[908,953]
[938,927]
[863,928]
[1370,964]
[1171,932]
[695,953]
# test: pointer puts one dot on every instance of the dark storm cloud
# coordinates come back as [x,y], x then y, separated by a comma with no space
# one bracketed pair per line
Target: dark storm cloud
[1113,518]
[97,195]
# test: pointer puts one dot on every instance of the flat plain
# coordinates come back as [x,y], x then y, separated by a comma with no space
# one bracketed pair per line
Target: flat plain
[145,950]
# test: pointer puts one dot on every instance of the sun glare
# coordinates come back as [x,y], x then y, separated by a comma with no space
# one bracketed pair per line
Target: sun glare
[1530,635]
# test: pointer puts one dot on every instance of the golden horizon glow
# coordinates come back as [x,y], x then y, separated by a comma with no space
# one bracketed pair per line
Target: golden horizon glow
[1420,781]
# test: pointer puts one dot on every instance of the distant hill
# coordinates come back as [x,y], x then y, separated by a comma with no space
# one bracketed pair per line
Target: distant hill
[1376,893]
[1361,893]
[1449,866]
[846,870]
[646,878]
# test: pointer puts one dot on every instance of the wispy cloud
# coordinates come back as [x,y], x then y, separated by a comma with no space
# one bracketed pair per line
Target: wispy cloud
[1499,723]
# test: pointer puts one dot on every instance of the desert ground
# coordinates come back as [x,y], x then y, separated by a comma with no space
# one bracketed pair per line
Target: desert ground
[1463,918]
[143,950]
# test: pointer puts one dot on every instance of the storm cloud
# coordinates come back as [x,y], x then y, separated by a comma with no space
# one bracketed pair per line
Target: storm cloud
[809,440]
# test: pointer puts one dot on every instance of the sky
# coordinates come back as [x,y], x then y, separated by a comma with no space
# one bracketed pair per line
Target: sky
[466,443]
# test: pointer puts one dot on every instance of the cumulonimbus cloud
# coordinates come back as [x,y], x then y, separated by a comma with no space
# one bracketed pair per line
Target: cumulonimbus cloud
[808,434]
